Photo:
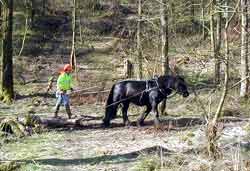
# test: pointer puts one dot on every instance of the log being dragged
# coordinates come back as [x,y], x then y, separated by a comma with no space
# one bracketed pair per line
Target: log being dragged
[57,122]
[76,122]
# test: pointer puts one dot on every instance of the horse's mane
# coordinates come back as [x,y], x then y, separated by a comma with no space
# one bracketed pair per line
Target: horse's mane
[160,79]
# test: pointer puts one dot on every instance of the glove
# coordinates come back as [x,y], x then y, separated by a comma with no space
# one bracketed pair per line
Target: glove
[62,91]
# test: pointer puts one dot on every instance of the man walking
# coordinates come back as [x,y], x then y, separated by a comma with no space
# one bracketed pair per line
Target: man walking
[64,83]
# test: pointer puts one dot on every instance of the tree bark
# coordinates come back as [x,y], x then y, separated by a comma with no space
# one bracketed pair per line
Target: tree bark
[32,12]
[244,49]
[212,126]
[212,37]
[203,20]
[172,17]
[164,44]
[7,89]
[212,34]
[192,13]
[25,29]
[217,47]
[139,47]
[164,37]
[73,55]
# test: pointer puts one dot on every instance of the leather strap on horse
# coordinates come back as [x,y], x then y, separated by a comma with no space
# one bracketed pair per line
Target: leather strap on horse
[160,89]
[146,90]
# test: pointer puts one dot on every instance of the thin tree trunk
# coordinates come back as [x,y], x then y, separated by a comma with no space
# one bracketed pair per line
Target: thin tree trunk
[25,30]
[164,44]
[7,89]
[32,13]
[217,47]
[244,49]
[164,38]
[80,27]
[192,12]
[172,19]
[212,126]
[73,55]
[139,47]
[212,34]
[203,19]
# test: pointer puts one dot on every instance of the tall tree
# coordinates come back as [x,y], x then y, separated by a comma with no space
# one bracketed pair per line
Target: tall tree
[217,46]
[212,33]
[32,12]
[164,43]
[203,19]
[164,37]
[192,14]
[212,128]
[7,90]
[139,47]
[244,49]
[215,39]
[73,55]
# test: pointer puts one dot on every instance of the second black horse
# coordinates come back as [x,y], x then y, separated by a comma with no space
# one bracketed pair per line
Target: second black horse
[147,93]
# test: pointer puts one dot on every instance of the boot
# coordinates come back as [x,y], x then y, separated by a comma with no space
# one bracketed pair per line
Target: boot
[68,111]
[56,111]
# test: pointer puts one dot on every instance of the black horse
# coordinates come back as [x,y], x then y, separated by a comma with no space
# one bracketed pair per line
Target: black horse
[147,93]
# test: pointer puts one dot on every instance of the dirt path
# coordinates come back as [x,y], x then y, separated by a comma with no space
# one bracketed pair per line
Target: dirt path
[117,148]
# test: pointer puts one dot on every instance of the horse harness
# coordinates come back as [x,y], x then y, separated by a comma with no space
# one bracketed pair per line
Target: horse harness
[147,89]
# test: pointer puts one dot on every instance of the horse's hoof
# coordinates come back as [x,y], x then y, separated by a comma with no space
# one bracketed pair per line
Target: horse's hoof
[105,124]
[140,123]
[127,124]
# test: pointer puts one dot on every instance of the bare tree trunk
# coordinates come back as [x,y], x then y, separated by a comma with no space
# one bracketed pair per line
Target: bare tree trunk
[128,69]
[212,34]
[203,20]
[164,44]
[192,12]
[25,29]
[212,126]
[73,55]
[244,49]
[139,47]
[7,90]
[164,37]
[80,27]
[172,19]
[215,43]
[32,13]
[217,47]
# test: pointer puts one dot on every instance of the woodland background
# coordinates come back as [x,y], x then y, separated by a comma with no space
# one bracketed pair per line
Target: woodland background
[205,41]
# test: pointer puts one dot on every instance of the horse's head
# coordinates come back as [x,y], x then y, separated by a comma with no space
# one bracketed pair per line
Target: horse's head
[181,86]
[175,83]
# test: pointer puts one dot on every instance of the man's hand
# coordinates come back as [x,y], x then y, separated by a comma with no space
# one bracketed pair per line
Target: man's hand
[62,91]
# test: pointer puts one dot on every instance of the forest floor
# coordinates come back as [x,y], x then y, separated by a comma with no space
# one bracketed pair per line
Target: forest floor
[179,145]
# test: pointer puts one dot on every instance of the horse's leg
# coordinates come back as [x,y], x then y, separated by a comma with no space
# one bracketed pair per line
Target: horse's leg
[125,114]
[156,114]
[110,113]
[143,116]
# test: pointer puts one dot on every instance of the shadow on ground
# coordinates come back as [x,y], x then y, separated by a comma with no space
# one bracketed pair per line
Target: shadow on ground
[118,158]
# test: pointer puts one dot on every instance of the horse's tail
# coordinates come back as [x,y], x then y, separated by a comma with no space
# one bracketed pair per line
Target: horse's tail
[111,108]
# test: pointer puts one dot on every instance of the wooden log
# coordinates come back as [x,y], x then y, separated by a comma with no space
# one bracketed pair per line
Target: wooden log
[57,122]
